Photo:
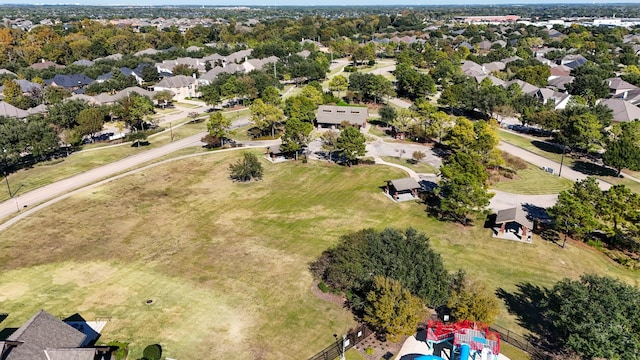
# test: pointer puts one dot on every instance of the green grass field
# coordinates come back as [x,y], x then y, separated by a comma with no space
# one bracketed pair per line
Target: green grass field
[226,263]
[534,181]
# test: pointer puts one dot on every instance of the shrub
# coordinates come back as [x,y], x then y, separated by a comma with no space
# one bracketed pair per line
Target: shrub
[122,349]
[349,68]
[152,352]
[246,169]
[323,287]
[369,351]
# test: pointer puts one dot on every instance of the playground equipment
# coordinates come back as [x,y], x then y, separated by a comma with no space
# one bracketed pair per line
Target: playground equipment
[470,340]
[428,357]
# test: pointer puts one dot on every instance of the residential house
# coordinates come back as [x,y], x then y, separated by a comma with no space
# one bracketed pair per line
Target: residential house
[623,111]
[573,61]
[559,82]
[526,88]
[27,87]
[8,110]
[148,51]
[332,116]
[45,65]
[7,72]
[619,86]
[557,99]
[494,66]
[83,62]
[70,82]
[494,80]
[632,96]
[45,337]
[113,57]
[182,86]
[559,70]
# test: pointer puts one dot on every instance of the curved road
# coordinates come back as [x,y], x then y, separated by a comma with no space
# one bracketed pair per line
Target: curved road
[64,186]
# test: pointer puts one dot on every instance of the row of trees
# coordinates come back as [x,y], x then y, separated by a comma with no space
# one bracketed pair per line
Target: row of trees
[390,275]
[584,211]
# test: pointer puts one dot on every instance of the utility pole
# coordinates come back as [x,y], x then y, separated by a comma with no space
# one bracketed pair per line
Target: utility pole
[561,162]
[171,131]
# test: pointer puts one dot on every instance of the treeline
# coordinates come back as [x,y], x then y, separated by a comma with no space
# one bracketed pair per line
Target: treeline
[389,277]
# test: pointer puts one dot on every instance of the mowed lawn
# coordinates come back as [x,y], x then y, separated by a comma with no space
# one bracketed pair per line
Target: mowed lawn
[226,264]
[534,181]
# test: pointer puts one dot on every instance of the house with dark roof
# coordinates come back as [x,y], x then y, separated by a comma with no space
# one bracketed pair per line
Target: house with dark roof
[45,337]
[332,116]
[69,82]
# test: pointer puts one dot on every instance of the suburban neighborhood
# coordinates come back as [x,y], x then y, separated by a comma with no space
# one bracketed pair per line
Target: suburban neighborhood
[299,182]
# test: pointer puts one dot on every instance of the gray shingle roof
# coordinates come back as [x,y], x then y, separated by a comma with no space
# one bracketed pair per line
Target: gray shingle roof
[71,354]
[405,184]
[514,214]
[42,331]
[336,115]
[174,82]
[623,111]
[9,110]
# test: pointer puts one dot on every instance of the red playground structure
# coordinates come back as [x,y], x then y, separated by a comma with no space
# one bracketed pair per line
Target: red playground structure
[470,340]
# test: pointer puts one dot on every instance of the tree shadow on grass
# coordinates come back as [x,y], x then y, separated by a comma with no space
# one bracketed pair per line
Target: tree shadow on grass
[589,168]
[526,303]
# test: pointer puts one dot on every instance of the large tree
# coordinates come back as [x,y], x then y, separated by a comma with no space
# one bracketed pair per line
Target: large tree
[90,121]
[595,316]
[392,309]
[403,255]
[218,126]
[463,187]
[471,300]
[351,144]
[266,117]
[296,135]
[623,150]
[338,83]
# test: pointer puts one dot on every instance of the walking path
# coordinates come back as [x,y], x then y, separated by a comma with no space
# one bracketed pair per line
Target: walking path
[79,184]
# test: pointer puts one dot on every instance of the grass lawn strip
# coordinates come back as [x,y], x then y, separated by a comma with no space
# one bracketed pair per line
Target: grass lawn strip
[554,154]
[243,247]
[534,181]
[51,171]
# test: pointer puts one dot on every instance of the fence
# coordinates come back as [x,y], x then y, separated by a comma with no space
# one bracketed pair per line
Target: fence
[521,342]
[352,338]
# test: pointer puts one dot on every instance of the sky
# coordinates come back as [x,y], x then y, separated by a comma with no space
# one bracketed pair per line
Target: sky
[307,2]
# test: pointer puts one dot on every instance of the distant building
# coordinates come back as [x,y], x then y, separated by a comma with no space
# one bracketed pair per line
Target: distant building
[489,19]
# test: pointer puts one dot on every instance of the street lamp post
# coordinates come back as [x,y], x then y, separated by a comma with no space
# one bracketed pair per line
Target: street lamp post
[562,161]
[12,194]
